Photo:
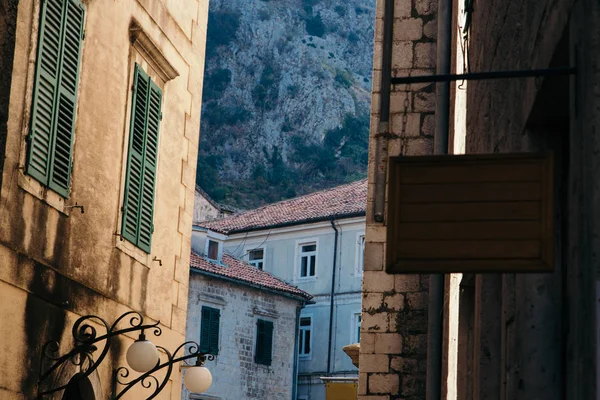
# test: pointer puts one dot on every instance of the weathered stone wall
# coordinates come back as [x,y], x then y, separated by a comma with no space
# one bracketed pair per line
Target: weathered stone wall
[8,24]
[528,337]
[59,263]
[235,374]
[204,210]
[393,342]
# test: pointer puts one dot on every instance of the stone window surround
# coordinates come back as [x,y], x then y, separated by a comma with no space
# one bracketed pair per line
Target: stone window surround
[153,61]
[124,245]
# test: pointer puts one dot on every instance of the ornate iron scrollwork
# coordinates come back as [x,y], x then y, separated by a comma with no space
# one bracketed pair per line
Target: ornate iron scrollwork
[148,380]
[88,341]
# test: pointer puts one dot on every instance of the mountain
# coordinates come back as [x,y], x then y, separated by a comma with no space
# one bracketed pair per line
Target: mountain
[286,99]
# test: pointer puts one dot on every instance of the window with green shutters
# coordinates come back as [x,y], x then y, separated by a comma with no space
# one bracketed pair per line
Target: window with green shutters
[50,140]
[209,330]
[264,342]
[142,158]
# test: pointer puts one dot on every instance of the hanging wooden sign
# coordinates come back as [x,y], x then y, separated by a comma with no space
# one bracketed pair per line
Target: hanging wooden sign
[470,213]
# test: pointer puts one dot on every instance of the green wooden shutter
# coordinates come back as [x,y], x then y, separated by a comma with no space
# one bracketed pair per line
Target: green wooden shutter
[209,330]
[205,315]
[140,181]
[150,161]
[55,93]
[268,347]
[259,341]
[214,331]
[60,177]
[264,342]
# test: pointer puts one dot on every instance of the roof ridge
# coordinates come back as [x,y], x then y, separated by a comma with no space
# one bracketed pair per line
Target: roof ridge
[345,200]
[287,200]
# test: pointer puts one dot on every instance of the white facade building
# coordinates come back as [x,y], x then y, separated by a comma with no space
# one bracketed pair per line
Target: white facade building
[314,242]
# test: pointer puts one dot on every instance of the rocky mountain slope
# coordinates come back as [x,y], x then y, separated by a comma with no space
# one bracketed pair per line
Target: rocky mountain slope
[286,97]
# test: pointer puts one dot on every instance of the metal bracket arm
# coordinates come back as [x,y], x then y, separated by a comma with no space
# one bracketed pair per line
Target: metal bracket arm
[531,73]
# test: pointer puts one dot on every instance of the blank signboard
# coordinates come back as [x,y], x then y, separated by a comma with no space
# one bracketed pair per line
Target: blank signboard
[470,213]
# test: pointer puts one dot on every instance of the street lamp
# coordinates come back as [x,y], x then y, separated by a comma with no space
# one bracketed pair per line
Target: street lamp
[198,378]
[142,356]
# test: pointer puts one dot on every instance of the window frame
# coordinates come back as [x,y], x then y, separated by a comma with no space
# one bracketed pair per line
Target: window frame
[302,334]
[359,265]
[355,324]
[300,254]
[257,261]
[219,249]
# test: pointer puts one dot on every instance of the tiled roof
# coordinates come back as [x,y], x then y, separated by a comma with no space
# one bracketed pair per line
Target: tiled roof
[245,273]
[342,202]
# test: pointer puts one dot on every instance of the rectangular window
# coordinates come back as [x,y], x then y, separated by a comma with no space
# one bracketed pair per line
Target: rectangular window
[264,342]
[213,250]
[209,330]
[308,260]
[357,321]
[256,257]
[305,336]
[53,110]
[142,159]
[361,255]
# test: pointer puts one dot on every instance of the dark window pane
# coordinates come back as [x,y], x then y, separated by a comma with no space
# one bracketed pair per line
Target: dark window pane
[309,247]
[256,254]
[303,261]
[213,249]
[313,261]
[304,321]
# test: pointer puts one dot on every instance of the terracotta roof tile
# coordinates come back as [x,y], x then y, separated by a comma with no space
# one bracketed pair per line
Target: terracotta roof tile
[245,273]
[341,201]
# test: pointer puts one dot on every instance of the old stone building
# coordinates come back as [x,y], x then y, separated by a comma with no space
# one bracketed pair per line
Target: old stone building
[99,134]
[511,335]
[206,209]
[249,319]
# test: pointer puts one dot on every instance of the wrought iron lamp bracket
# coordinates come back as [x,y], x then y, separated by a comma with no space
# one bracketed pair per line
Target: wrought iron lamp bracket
[147,379]
[87,343]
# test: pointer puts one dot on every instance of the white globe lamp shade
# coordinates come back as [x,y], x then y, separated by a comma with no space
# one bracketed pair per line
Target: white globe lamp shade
[197,379]
[142,356]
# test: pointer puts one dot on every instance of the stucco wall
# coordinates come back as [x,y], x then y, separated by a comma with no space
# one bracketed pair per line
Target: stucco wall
[393,341]
[235,374]
[59,263]
[281,259]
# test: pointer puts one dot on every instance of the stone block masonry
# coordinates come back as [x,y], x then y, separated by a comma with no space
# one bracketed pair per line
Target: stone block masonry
[393,348]
[236,375]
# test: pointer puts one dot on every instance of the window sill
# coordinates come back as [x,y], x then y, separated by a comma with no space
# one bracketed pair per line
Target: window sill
[132,251]
[41,192]
[307,279]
